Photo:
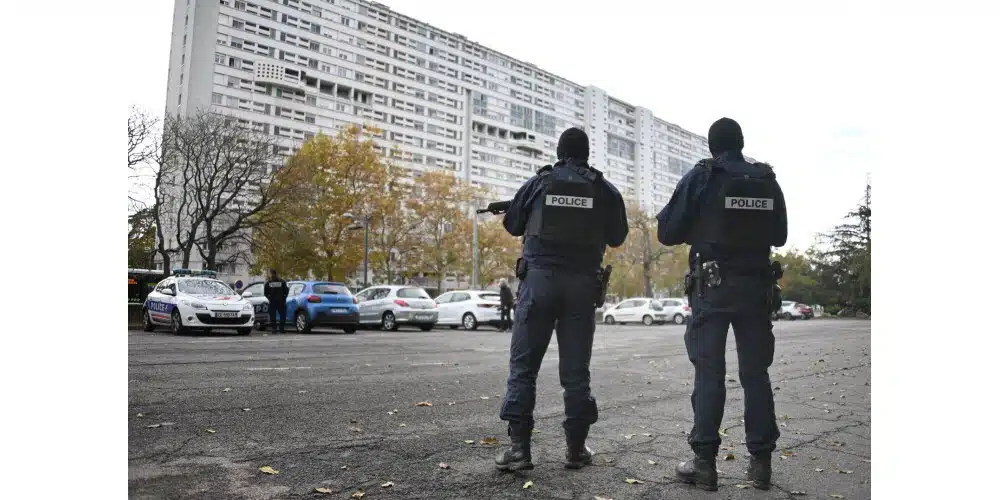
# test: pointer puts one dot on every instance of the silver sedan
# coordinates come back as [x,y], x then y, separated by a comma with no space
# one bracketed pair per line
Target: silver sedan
[392,305]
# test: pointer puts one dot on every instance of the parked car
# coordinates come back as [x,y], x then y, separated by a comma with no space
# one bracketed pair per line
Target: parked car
[469,309]
[792,310]
[393,305]
[195,300]
[254,294]
[677,310]
[321,303]
[645,310]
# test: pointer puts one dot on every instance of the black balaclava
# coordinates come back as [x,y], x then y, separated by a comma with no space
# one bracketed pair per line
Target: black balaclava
[725,135]
[573,143]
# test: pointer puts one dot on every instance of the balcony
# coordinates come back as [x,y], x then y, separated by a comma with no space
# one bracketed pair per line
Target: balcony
[278,74]
[526,143]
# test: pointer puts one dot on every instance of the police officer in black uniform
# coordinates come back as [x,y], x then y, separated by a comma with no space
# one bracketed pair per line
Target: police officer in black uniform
[568,214]
[731,212]
[276,291]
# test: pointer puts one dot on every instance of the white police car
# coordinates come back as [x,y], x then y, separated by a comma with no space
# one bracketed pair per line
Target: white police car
[195,299]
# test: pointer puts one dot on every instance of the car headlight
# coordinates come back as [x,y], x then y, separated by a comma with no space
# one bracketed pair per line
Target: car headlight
[193,305]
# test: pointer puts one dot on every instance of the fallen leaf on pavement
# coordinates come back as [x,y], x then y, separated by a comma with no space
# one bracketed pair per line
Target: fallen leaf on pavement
[798,493]
[227,389]
[393,412]
[387,484]
[845,471]
[837,443]
[469,441]
[788,453]
[834,495]
[246,409]
[650,462]
[267,469]
[488,440]
[210,431]
[356,429]
[153,426]
[528,484]
[633,481]
[601,498]
[353,421]
[722,433]
[323,490]
[451,403]
[302,392]
[812,397]
[818,469]
[647,434]
[139,415]
[484,397]
[343,467]
[402,425]
[424,403]
[444,465]
[866,460]
[358,494]
[742,486]
[730,456]
[628,436]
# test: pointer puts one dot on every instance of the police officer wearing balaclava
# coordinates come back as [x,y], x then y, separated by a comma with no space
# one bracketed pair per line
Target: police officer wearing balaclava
[731,212]
[568,213]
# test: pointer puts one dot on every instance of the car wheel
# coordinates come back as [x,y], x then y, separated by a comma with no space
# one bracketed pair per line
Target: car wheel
[176,325]
[260,326]
[302,322]
[426,328]
[647,320]
[787,316]
[469,321]
[350,329]
[389,322]
[609,320]
[147,322]
[678,319]
[244,331]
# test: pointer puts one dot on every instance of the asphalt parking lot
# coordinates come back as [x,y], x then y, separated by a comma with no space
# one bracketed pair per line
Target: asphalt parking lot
[340,413]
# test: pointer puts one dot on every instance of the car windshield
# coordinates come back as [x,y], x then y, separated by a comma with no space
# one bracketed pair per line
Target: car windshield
[330,289]
[412,293]
[490,296]
[204,287]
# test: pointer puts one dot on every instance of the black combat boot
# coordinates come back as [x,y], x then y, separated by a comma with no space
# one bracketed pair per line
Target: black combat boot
[518,456]
[700,472]
[759,471]
[577,453]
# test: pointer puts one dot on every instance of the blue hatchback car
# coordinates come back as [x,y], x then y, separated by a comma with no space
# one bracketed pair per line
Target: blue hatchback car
[321,303]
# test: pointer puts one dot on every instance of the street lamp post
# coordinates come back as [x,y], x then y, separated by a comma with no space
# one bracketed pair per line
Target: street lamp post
[475,250]
[365,221]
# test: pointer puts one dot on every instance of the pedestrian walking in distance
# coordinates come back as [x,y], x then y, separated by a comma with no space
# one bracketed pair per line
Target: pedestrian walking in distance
[506,304]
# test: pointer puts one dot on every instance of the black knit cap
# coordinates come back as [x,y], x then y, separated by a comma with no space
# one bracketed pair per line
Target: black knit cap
[573,143]
[725,135]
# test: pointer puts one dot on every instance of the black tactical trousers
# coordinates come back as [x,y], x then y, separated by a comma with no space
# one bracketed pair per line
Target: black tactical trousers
[550,300]
[276,308]
[742,302]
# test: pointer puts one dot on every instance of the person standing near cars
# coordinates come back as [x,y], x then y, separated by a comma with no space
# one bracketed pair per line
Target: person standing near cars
[731,212]
[568,214]
[506,304]
[276,291]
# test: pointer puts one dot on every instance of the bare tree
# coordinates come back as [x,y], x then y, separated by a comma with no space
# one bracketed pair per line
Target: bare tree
[220,172]
[142,153]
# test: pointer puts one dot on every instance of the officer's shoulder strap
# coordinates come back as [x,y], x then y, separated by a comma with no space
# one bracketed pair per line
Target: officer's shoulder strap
[767,167]
[546,170]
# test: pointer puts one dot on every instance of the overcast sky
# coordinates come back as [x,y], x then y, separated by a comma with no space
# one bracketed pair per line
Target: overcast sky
[805,86]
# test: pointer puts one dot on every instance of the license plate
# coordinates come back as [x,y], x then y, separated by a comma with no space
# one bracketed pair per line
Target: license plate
[338,309]
[225,314]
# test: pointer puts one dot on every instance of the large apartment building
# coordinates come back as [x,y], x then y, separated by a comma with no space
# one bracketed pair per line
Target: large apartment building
[294,69]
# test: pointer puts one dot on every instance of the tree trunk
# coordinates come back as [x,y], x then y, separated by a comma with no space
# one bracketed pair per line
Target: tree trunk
[647,280]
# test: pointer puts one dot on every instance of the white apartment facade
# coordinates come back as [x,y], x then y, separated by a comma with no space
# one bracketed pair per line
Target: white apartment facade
[295,68]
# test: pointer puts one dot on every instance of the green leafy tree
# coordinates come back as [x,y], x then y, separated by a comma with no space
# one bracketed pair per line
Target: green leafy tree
[141,239]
